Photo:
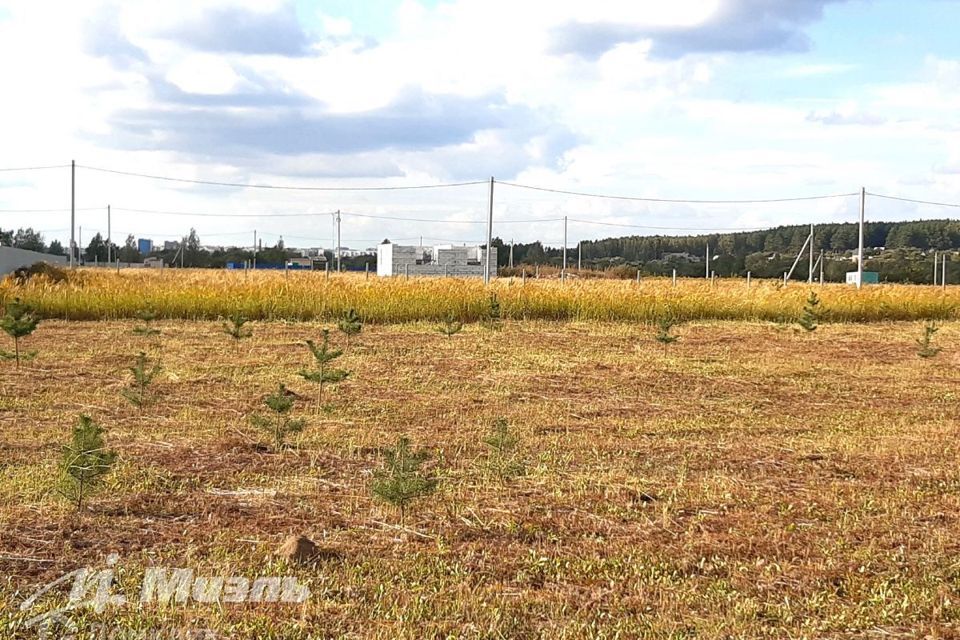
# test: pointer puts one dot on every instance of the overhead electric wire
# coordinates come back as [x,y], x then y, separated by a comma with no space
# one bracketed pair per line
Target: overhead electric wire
[644,226]
[50,210]
[936,204]
[673,200]
[281,187]
[41,168]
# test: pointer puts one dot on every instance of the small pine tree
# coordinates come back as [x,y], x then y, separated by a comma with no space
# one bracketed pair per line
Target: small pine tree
[323,374]
[280,424]
[450,326]
[234,327]
[927,349]
[85,462]
[143,376]
[810,319]
[663,336]
[493,316]
[350,324]
[401,480]
[503,450]
[146,316]
[18,322]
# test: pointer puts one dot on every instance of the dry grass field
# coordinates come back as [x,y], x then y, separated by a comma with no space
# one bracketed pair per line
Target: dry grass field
[755,481]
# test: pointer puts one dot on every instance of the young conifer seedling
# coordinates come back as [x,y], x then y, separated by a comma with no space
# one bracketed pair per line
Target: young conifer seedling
[280,424]
[451,326]
[503,450]
[146,316]
[927,348]
[323,374]
[234,327]
[350,324]
[85,462]
[143,375]
[493,316]
[810,318]
[663,336]
[18,322]
[401,481]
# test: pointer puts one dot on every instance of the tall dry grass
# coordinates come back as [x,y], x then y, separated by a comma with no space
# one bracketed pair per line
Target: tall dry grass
[207,294]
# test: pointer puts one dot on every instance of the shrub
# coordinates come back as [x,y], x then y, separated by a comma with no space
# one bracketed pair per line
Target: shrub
[450,326]
[927,349]
[350,324]
[810,318]
[18,322]
[143,376]
[323,374]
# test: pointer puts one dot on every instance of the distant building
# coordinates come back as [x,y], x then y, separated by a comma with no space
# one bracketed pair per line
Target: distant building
[171,245]
[144,246]
[153,263]
[869,277]
[441,260]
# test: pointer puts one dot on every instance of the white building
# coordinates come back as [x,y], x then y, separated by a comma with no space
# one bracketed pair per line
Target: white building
[441,260]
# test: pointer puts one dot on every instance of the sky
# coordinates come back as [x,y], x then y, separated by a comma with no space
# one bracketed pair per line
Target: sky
[687,100]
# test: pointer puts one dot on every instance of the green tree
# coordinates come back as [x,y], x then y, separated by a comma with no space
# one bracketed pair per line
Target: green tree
[96,250]
[350,324]
[30,240]
[18,322]
[85,462]
[143,376]
[663,335]
[234,327]
[926,346]
[401,480]
[56,249]
[810,318]
[280,424]
[128,252]
[450,326]
[323,374]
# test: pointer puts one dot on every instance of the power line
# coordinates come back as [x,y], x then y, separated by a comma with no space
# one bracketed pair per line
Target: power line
[642,226]
[282,187]
[938,204]
[49,210]
[52,166]
[673,200]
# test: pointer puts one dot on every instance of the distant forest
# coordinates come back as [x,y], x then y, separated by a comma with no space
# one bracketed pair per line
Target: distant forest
[899,251]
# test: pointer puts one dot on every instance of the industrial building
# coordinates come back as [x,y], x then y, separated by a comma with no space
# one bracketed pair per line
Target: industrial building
[465,261]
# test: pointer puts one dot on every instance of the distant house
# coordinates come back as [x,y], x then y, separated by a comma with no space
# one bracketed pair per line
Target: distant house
[442,260]
[144,246]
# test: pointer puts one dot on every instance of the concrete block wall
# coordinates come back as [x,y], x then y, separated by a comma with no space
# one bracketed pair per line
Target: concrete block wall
[12,259]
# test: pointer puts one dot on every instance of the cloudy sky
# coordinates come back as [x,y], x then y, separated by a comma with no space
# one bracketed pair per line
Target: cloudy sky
[687,100]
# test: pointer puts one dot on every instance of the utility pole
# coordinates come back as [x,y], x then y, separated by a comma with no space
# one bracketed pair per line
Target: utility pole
[486,272]
[73,210]
[708,262]
[511,254]
[563,270]
[821,267]
[810,273]
[79,244]
[863,209]
[579,255]
[943,275]
[338,241]
[254,262]
[109,241]
[935,264]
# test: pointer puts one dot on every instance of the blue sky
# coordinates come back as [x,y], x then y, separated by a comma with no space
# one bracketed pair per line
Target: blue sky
[692,99]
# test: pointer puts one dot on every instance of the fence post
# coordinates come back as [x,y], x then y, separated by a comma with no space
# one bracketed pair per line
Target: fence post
[537,272]
[327,274]
[366,271]
[118,265]
[674,277]
[523,276]
[749,275]
[638,276]
[406,271]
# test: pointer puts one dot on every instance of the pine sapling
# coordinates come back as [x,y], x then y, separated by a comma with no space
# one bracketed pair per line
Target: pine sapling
[810,319]
[503,450]
[450,326]
[85,462]
[146,316]
[323,374]
[663,336]
[143,375]
[493,316]
[280,424]
[927,349]
[234,327]
[350,324]
[18,322]
[401,481]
